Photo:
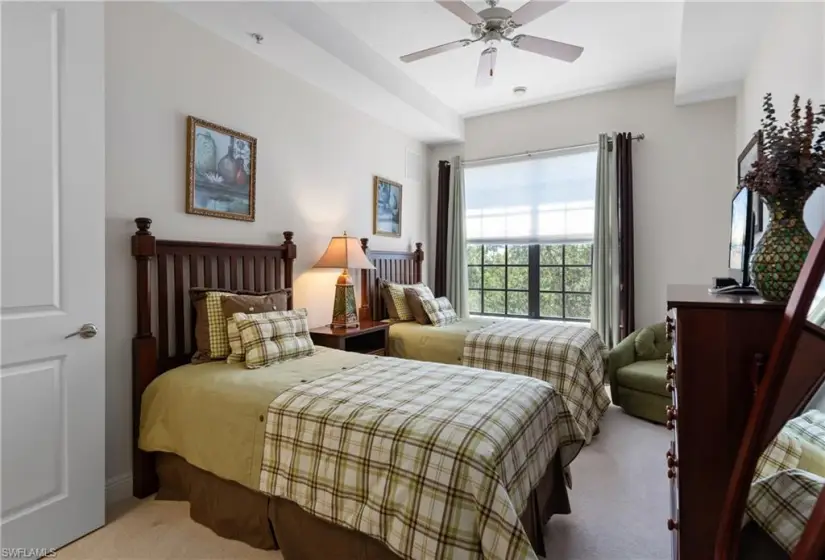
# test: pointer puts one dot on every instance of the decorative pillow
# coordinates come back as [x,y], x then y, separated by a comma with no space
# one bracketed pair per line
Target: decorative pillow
[414,295]
[396,302]
[211,336]
[440,311]
[270,340]
[249,304]
[651,343]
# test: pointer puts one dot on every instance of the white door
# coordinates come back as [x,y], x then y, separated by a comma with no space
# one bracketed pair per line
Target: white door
[52,197]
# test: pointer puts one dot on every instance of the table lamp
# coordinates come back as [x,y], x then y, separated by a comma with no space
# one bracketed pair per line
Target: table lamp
[344,252]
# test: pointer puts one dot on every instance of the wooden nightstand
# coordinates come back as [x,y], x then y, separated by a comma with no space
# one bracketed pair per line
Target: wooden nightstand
[371,337]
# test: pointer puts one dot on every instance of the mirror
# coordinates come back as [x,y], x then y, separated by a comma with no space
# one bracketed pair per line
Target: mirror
[771,509]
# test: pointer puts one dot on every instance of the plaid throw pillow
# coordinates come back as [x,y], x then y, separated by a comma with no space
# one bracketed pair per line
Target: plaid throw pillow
[440,311]
[218,339]
[269,340]
[396,301]
[414,295]
[248,304]
[235,342]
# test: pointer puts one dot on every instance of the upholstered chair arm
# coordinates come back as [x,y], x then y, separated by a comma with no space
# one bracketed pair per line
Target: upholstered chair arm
[623,354]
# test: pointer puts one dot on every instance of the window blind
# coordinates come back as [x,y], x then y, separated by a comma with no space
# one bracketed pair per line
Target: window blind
[540,199]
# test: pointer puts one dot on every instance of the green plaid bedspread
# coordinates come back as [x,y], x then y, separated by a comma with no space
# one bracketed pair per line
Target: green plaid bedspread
[436,461]
[569,358]
[782,496]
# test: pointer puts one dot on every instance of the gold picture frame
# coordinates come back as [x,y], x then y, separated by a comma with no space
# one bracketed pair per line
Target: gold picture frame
[219,185]
[387,197]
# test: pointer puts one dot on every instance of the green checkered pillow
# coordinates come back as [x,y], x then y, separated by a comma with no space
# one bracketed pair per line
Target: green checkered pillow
[396,300]
[270,340]
[440,311]
[210,334]
[235,344]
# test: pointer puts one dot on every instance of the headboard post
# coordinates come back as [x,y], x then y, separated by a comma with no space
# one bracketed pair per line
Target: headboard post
[144,356]
[364,310]
[418,258]
[289,258]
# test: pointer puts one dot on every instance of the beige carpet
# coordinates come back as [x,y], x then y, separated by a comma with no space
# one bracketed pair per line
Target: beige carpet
[619,502]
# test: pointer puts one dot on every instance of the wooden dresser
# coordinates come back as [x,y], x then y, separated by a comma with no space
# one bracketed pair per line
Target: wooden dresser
[720,345]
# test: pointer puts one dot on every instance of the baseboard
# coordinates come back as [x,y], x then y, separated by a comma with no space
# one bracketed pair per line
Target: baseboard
[118,488]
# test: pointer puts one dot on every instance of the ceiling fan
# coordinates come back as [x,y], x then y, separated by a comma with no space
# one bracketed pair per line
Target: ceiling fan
[493,25]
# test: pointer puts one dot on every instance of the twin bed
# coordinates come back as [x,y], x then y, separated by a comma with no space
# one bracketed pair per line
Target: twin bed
[336,454]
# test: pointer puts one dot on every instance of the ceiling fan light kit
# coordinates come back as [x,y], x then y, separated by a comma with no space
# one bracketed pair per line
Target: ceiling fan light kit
[494,25]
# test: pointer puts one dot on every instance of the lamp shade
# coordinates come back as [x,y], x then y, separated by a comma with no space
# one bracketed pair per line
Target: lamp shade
[344,252]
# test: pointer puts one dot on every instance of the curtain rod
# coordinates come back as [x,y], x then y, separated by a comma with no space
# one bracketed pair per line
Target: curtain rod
[548,151]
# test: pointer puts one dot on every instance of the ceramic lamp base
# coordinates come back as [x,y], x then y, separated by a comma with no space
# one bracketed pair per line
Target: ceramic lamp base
[343,310]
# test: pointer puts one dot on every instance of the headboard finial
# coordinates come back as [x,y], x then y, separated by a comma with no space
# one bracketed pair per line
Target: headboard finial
[143,226]
[288,235]
[365,243]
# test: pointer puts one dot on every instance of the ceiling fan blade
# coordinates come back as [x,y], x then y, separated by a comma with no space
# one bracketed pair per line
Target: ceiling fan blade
[547,47]
[462,10]
[418,55]
[486,67]
[534,9]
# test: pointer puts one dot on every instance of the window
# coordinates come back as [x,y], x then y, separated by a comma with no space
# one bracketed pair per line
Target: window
[530,235]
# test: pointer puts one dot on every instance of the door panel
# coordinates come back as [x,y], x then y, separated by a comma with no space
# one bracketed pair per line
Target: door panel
[51,387]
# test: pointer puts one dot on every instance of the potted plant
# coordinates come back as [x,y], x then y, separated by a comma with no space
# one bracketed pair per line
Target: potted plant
[791,168]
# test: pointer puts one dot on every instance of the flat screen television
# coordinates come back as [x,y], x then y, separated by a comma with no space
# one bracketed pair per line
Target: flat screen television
[741,236]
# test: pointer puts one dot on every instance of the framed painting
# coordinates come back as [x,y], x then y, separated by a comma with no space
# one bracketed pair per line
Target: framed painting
[752,153]
[386,210]
[220,171]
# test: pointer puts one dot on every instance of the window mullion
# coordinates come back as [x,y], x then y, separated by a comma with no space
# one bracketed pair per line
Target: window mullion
[533,281]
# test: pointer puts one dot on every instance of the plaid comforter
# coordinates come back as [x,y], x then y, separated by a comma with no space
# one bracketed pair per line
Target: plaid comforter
[436,461]
[569,358]
[782,496]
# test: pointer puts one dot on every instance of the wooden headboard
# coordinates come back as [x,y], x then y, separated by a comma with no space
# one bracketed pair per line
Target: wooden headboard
[402,267]
[165,335]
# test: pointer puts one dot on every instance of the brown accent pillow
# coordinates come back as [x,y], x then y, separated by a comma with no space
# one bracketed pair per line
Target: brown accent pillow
[254,303]
[211,336]
[414,295]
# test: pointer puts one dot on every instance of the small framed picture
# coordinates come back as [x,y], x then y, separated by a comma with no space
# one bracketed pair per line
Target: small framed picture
[386,207]
[220,171]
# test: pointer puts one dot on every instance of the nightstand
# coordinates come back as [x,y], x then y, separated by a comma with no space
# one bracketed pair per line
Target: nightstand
[371,337]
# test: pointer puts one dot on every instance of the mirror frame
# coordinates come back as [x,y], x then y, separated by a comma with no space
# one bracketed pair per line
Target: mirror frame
[771,406]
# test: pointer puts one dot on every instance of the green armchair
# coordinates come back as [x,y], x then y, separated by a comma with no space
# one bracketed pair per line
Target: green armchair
[637,373]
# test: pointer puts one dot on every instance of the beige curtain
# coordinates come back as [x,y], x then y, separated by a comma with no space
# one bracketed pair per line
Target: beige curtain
[605,297]
[457,283]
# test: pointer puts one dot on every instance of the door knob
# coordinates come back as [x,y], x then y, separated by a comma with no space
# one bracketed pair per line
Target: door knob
[86,331]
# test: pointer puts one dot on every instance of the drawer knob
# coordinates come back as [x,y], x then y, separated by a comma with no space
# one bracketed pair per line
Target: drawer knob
[671,473]
[669,454]
[669,358]
[671,413]
[672,525]
[672,463]
[670,424]
[669,387]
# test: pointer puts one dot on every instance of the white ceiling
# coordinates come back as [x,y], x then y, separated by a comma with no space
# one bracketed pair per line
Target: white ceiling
[351,50]
[612,56]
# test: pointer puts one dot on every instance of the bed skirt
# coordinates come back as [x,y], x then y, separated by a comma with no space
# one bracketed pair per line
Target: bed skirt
[233,511]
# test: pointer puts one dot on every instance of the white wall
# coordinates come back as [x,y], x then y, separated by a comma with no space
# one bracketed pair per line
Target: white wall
[683,172]
[790,60]
[316,159]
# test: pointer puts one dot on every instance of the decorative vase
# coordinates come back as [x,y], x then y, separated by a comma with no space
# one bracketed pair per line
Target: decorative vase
[777,258]
[226,166]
